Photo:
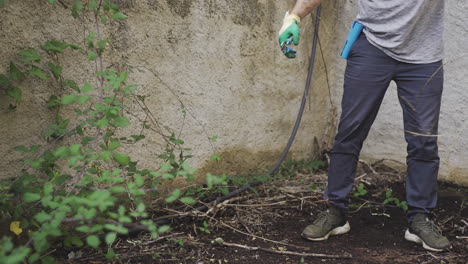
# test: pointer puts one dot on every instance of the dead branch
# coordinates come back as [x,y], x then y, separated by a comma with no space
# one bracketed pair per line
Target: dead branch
[368,165]
[220,241]
[259,237]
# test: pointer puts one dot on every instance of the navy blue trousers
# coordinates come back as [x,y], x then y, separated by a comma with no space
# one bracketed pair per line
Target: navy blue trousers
[369,72]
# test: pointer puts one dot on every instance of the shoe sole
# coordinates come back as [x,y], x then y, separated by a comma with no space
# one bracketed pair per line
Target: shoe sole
[416,239]
[341,230]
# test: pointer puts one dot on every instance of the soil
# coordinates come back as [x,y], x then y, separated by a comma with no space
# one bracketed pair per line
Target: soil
[281,211]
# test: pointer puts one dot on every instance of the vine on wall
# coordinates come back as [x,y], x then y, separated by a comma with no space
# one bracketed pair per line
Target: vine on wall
[81,188]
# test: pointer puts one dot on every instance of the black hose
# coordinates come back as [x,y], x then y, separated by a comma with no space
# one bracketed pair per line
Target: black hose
[275,167]
[295,129]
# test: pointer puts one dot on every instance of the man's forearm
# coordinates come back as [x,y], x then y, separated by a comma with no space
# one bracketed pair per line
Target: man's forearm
[304,7]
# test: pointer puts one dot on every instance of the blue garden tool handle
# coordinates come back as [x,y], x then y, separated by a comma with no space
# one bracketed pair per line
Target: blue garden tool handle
[286,46]
[353,35]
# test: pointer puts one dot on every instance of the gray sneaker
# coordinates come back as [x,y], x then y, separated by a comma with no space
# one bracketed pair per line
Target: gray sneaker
[329,223]
[424,231]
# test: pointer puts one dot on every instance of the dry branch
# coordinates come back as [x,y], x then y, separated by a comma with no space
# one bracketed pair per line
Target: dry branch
[220,241]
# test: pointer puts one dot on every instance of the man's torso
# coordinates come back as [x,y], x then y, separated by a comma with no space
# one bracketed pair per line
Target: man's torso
[407,30]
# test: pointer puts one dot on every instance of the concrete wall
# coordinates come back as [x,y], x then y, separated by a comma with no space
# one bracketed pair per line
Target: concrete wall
[219,58]
[386,139]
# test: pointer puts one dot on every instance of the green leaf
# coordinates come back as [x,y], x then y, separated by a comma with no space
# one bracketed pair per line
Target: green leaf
[72,84]
[103,19]
[215,157]
[36,71]
[102,43]
[121,121]
[53,101]
[31,197]
[119,16]
[102,123]
[138,137]
[76,241]
[75,149]
[55,69]
[77,6]
[117,228]
[42,217]
[22,149]
[86,88]
[4,81]
[2,3]
[93,241]
[51,1]
[388,193]
[117,189]
[34,257]
[19,254]
[74,46]
[404,205]
[113,145]
[92,55]
[163,228]
[175,194]
[29,55]
[177,141]
[61,152]
[15,73]
[93,5]
[110,238]
[165,166]
[15,93]
[90,39]
[55,46]
[122,159]
[188,200]
[84,98]
[69,99]
[105,156]
[139,181]
[110,253]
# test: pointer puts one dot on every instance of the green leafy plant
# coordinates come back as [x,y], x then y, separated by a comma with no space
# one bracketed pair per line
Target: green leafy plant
[86,190]
[290,168]
[205,227]
[360,190]
[390,199]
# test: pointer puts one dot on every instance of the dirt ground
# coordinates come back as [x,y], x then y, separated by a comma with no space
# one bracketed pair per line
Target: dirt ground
[274,218]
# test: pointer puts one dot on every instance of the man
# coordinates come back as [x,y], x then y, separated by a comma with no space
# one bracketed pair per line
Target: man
[401,42]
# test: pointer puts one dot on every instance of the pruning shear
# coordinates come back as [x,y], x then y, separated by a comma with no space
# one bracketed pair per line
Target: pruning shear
[287,49]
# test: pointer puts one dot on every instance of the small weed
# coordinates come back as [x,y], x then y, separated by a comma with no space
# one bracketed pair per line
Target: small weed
[205,227]
[389,199]
[292,167]
[360,191]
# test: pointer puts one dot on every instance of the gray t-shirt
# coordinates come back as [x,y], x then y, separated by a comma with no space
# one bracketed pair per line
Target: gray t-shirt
[406,30]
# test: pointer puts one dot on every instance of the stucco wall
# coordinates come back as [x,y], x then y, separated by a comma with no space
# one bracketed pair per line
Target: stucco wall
[220,58]
[386,139]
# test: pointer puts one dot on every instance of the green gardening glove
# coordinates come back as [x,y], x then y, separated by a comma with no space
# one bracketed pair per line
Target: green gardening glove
[290,28]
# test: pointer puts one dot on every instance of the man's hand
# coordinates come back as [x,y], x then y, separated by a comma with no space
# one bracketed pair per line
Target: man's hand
[290,29]
[290,23]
